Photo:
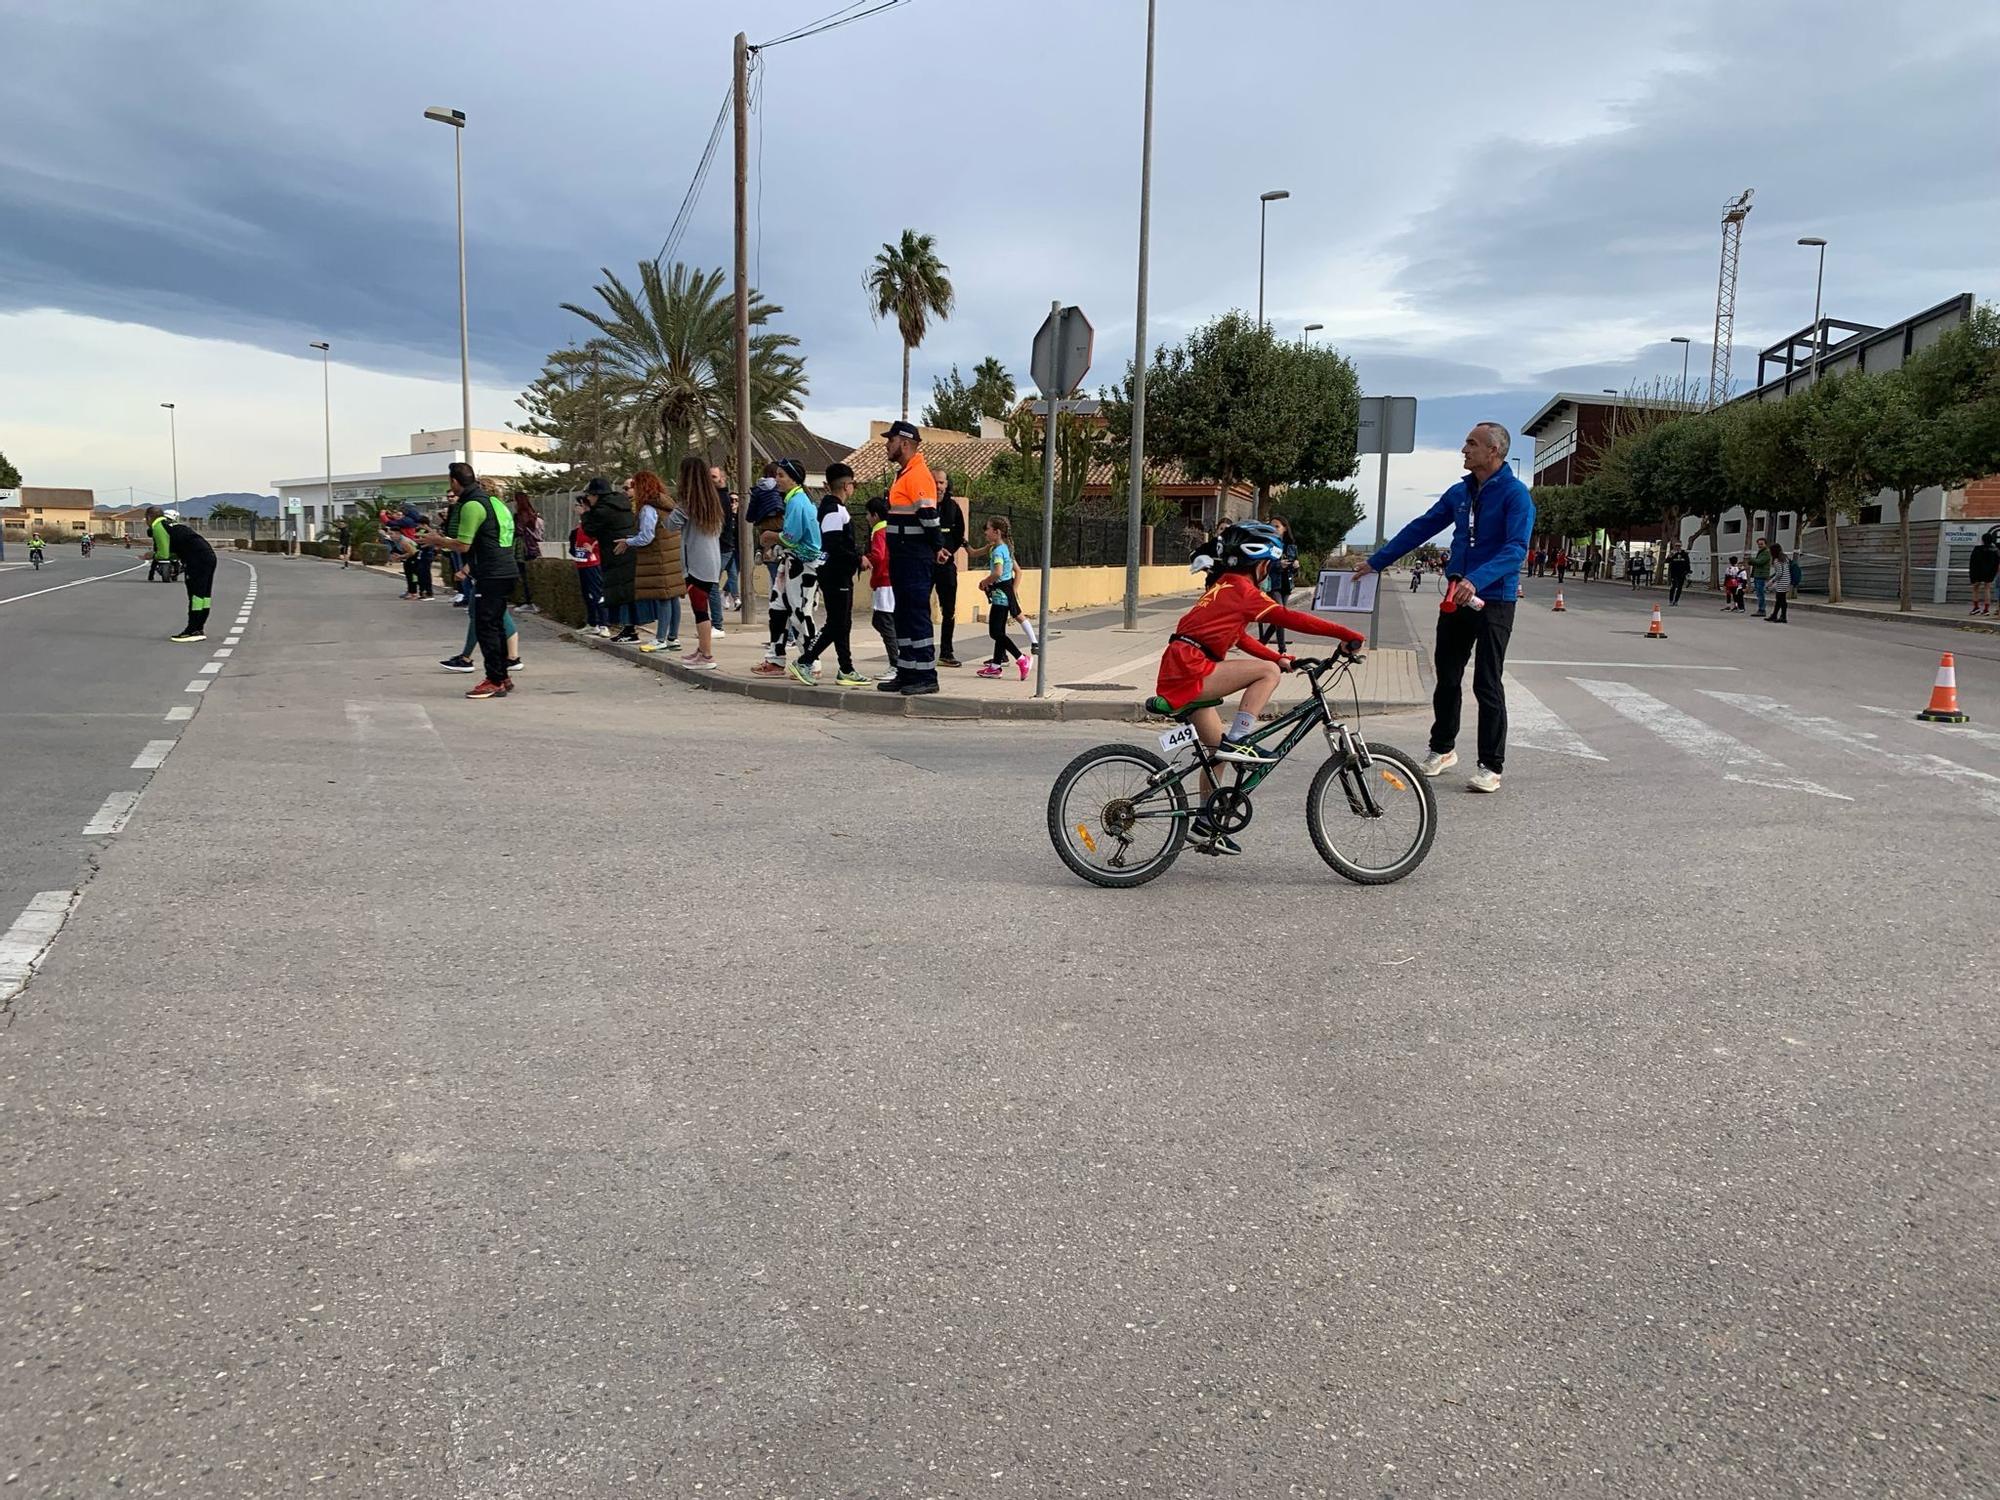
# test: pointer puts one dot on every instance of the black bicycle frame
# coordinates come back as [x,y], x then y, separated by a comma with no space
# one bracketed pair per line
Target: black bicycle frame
[1288,729]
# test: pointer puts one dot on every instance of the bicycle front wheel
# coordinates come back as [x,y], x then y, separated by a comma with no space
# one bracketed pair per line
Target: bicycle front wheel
[1379,846]
[1109,823]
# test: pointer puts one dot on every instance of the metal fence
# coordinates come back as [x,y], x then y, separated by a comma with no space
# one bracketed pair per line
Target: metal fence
[1080,540]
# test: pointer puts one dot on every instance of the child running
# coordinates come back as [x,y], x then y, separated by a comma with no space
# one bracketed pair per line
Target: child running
[1000,586]
[1195,665]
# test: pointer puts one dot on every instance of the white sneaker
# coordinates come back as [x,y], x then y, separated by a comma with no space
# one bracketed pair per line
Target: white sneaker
[717,633]
[1437,764]
[1483,780]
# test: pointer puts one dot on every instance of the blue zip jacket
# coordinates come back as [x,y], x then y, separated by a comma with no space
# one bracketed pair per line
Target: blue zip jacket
[1487,556]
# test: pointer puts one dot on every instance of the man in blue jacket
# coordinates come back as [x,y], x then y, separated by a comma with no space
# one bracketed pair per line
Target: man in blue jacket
[1492,516]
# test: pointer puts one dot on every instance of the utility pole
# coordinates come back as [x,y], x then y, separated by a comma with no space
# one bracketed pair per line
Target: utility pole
[746,561]
[1137,450]
[1733,214]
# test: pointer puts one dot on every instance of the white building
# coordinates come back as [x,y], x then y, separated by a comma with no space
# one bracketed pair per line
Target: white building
[417,475]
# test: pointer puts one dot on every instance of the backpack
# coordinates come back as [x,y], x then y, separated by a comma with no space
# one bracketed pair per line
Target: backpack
[1794,572]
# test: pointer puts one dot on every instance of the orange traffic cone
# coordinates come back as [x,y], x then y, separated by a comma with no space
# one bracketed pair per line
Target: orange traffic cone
[1944,695]
[1653,631]
[1558,607]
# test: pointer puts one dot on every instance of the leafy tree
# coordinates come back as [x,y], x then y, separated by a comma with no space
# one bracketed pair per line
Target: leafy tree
[992,388]
[1690,463]
[954,404]
[572,406]
[668,360]
[911,285]
[10,477]
[363,530]
[1765,457]
[1839,421]
[1231,403]
[1320,516]
[225,510]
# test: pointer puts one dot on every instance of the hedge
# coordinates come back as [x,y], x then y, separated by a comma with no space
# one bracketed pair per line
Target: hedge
[373,554]
[557,593]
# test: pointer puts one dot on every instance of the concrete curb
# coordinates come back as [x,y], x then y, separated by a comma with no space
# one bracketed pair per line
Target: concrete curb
[941,705]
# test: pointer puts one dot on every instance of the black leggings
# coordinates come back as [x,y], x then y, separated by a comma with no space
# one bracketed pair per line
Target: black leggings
[996,626]
[1674,586]
[1780,610]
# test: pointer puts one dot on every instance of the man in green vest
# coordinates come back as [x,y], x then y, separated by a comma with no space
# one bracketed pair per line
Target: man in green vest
[181,542]
[483,533]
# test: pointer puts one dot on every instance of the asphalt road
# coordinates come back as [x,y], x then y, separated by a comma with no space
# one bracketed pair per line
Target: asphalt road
[624,1089]
[87,677]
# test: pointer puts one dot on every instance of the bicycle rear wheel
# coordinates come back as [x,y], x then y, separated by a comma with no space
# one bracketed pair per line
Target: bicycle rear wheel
[1367,848]
[1107,824]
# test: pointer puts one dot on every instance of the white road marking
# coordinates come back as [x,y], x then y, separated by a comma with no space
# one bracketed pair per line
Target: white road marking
[225,651]
[154,755]
[1956,731]
[199,685]
[1740,762]
[209,669]
[1532,725]
[1627,666]
[1854,742]
[79,583]
[180,713]
[24,945]
[111,817]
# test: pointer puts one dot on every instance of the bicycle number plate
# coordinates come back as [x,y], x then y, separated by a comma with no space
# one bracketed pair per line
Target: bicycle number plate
[1176,740]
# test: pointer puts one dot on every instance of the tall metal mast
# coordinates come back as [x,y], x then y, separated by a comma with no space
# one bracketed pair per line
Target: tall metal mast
[1733,215]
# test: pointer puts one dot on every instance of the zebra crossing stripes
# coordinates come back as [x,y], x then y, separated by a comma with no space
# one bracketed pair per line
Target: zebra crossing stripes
[1739,762]
[1860,743]
[1532,725]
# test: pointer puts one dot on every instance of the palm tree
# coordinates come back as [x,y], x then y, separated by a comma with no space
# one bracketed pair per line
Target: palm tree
[992,388]
[909,283]
[667,354]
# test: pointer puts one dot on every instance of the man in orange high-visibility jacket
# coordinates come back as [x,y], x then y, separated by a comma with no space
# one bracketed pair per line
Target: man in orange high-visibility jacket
[914,540]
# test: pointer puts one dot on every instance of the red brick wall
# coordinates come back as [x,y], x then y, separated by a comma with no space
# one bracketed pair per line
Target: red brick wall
[1982,499]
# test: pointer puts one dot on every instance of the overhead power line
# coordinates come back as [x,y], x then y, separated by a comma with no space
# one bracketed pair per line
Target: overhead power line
[832,22]
[693,194]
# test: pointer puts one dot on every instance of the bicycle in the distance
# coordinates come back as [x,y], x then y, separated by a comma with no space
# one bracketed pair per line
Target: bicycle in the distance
[1120,815]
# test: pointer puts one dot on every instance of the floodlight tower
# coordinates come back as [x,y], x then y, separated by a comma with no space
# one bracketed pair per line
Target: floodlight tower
[1733,215]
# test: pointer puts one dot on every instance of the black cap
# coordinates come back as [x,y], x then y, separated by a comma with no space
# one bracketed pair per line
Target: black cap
[902,429]
[794,468]
[599,485]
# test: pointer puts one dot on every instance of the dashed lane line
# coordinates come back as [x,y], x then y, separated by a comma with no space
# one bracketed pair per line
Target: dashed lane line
[199,685]
[27,942]
[154,755]
[180,713]
[111,817]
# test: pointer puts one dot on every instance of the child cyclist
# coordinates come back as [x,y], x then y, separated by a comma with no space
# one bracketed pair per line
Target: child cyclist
[1196,662]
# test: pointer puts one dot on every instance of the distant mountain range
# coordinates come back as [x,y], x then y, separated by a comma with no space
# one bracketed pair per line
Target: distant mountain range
[199,505]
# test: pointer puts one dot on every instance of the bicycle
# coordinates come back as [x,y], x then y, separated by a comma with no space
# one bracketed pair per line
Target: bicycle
[1119,815]
[35,556]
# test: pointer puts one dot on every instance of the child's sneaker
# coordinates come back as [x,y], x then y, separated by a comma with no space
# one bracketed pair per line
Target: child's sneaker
[697,659]
[851,679]
[803,674]
[1247,755]
[768,668]
[1022,663]
[991,669]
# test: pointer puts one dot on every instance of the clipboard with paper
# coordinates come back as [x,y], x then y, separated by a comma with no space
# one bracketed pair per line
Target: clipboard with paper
[1339,592]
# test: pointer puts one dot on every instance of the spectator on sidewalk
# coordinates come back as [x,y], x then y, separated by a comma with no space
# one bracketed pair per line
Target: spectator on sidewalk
[1983,567]
[590,580]
[726,596]
[659,581]
[1492,515]
[796,552]
[1001,588]
[1279,581]
[484,536]
[1562,563]
[1781,584]
[836,581]
[1679,565]
[914,543]
[881,592]
[607,519]
[697,519]
[527,545]
[1760,571]
[944,577]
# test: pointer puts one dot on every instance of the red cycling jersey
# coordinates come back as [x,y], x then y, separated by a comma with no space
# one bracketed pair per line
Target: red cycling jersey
[1220,619]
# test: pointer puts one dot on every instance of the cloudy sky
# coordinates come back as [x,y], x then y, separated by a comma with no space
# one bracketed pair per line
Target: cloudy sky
[1490,202]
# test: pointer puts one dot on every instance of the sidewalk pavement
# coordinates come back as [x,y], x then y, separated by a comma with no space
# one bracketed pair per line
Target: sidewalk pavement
[1921,612]
[1096,669]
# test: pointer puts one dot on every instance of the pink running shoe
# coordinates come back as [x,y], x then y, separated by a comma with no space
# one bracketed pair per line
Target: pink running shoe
[1022,663]
[991,669]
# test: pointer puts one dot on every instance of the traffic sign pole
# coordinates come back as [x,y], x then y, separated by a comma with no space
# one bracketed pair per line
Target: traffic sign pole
[1055,390]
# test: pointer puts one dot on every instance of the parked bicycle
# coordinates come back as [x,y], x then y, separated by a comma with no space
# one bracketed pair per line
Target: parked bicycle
[1120,815]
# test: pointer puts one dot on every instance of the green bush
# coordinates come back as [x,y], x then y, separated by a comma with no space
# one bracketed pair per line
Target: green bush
[557,593]
[373,555]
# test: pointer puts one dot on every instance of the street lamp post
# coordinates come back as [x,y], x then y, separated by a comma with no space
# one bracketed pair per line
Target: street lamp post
[456,119]
[326,409]
[1264,202]
[1135,499]
[1311,329]
[1686,345]
[1819,282]
[174,447]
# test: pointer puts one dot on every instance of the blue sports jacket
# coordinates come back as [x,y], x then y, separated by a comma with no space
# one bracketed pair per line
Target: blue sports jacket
[1489,542]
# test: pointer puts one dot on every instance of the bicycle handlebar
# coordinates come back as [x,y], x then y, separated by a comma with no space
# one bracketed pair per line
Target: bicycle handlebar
[1314,665]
